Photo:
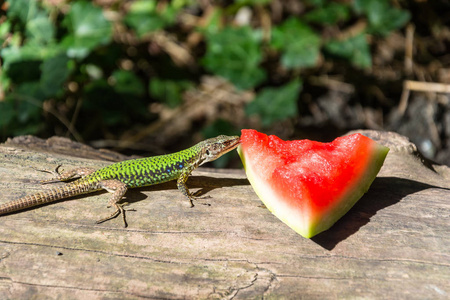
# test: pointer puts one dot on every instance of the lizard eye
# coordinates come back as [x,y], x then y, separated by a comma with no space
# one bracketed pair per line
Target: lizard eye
[207,152]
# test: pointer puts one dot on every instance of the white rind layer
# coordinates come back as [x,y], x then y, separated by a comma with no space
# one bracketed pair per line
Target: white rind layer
[267,194]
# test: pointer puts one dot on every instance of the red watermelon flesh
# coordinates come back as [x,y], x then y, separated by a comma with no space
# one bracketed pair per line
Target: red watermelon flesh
[310,185]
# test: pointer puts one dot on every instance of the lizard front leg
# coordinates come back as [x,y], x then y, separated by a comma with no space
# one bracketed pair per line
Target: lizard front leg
[181,184]
[182,187]
[67,175]
[118,190]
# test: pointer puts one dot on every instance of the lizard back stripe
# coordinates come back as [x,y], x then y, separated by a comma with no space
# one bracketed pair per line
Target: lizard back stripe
[150,170]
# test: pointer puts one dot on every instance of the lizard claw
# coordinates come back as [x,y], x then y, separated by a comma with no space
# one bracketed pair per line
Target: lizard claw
[55,173]
[192,198]
[119,210]
[196,197]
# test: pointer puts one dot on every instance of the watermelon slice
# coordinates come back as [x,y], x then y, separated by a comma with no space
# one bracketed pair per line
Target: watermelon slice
[310,185]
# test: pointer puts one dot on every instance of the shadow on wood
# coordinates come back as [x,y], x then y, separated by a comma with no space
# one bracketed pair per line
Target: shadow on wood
[384,192]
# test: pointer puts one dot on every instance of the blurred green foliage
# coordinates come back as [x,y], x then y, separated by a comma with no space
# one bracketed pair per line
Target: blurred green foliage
[275,104]
[144,17]
[382,17]
[298,44]
[354,49]
[169,92]
[236,54]
[97,69]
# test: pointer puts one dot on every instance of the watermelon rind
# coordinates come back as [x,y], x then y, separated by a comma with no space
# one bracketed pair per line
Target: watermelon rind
[306,225]
[353,194]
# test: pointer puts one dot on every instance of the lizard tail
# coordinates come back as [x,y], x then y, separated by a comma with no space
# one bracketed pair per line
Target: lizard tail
[71,189]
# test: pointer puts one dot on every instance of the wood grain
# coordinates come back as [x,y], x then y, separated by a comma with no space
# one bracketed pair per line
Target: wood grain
[393,244]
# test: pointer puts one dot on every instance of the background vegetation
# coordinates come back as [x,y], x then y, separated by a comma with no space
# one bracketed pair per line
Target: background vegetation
[155,76]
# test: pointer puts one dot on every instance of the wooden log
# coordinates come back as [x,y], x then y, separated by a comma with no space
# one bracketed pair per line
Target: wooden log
[393,244]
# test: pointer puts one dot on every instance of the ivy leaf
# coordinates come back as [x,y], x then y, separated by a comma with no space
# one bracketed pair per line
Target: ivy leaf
[40,30]
[235,54]
[22,9]
[88,29]
[276,104]
[38,41]
[54,72]
[5,27]
[354,49]
[144,17]
[298,43]
[382,17]
[329,14]
[29,52]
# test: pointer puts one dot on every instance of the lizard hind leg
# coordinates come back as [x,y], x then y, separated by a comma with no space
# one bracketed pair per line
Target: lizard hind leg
[67,175]
[118,190]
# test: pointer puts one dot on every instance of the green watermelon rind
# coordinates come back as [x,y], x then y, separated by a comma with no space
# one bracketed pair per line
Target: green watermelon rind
[310,228]
[353,193]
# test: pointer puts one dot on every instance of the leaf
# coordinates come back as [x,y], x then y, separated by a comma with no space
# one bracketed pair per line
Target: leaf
[5,27]
[22,9]
[37,22]
[40,30]
[276,104]
[28,52]
[168,91]
[383,18]
[354,49]
[38,43]
[144,17]
[235,54]
[298,43]
[329,14]
[55,72]
[88,29]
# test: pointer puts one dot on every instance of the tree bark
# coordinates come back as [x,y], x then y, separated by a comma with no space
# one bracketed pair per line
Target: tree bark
[394,243]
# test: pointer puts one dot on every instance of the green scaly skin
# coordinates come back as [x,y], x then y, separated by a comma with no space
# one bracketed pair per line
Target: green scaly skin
[119,177]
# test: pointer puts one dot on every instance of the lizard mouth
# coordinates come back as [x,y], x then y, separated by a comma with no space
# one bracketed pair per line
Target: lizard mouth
[231,144]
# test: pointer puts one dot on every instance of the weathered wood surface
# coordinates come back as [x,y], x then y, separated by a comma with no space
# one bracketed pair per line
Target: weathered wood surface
[395,243]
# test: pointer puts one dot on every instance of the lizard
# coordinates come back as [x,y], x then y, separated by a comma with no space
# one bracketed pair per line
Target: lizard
[117,178]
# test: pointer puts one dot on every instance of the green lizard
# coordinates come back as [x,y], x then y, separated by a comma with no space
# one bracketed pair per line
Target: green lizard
[119,177]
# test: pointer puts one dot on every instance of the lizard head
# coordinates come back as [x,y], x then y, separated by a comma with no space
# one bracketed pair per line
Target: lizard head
[212,149]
